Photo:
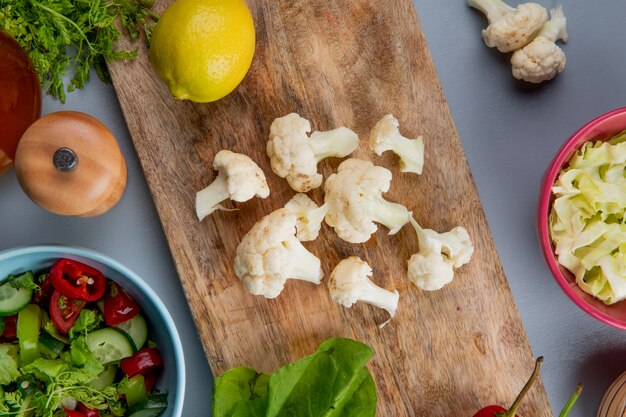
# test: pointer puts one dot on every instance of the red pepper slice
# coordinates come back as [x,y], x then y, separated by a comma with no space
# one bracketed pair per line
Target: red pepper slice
[118,305]
[143,362]
[88,412]
[76,280]
[10,328]
[74,413]
[64,311]
[149,380]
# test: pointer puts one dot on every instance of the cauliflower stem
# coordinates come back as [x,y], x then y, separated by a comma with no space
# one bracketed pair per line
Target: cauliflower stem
[336,143]
[380,297]
[491,8]
[306,266]
[209,199]
[556,28]
[392,215]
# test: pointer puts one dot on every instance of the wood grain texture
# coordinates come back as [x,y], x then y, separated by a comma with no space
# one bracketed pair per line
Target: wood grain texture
[447,353]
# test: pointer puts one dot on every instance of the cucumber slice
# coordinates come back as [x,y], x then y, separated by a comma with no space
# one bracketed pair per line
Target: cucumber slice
[51,344]
[106,378]
[13,299]
[148,412]
[136,329]
[109,345]
[154,406]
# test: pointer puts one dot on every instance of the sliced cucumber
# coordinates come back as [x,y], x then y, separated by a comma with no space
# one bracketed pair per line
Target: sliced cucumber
[148,412]
[109,345]
[51,346]
[106,378]
[14,298]
[154,406]
[136,329]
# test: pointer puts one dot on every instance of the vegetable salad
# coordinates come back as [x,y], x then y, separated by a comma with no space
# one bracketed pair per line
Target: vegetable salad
[75,344]
[588,222]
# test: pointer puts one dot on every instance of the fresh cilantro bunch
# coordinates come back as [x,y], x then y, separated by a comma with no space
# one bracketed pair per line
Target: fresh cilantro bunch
[74,35]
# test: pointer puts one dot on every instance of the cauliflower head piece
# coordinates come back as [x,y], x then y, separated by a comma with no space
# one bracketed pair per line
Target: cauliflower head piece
[294,155]
[270,254]
[350,283]
[239,179]
[354,198]
[309,216]
[510,28]
[439,254]
[542,59]
[385,136]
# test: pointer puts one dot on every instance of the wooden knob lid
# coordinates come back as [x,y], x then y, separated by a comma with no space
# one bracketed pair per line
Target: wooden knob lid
[614,402]
[69,163]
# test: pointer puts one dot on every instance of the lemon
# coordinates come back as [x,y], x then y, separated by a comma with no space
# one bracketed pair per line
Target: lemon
[202,49]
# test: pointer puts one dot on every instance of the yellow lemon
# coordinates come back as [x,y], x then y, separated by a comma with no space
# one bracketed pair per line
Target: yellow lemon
[202,49]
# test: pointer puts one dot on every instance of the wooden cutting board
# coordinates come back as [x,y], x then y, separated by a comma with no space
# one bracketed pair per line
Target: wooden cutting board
[338,63]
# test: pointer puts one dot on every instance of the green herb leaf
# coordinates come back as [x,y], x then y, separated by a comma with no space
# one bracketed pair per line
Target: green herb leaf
[8,364]
[72,36]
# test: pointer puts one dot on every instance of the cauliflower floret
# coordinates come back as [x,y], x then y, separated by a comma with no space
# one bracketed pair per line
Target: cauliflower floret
[269,254]
[239,178]
[510,28]
[294,155]
[309,216]
[542,59]
[354,197]
[385,136]
[349,283]
[439,253]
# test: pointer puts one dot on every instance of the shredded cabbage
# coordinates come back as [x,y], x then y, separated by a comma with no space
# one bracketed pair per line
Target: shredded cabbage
[588,221]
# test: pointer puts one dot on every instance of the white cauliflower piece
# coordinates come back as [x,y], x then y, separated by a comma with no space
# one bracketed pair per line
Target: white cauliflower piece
[349,283]
[270,253]
[385,136]
[510,28]
[309,216]
[439,254]
[354,197]
[542,59]
[239,178]
[294,155]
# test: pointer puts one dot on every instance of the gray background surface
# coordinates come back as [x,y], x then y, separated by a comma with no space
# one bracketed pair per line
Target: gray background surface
[510,133]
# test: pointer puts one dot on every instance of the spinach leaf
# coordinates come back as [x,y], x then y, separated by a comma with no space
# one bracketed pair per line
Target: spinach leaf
[333,382]
[236,386]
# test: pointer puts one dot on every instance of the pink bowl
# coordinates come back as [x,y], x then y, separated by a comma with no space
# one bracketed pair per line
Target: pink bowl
[601,128]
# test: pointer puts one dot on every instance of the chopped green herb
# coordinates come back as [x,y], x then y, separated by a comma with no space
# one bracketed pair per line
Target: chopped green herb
[74,35]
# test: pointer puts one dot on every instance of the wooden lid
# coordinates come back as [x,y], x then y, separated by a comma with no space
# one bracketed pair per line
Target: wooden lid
[614,402]
[70,164]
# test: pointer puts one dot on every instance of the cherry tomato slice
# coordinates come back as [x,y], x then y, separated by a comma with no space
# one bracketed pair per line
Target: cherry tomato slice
[118,305]
[87,411]
[77,281]
[143,362]
[10,328]
[64,311]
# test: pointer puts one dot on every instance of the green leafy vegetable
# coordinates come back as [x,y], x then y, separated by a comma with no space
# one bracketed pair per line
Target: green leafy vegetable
[25,281]
[64,35]
[588,222]
[88,321]
[333,382]
[8,364]
[235,386]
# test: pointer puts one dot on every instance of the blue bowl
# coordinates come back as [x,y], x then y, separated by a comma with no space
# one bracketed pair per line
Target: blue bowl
[161,325]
